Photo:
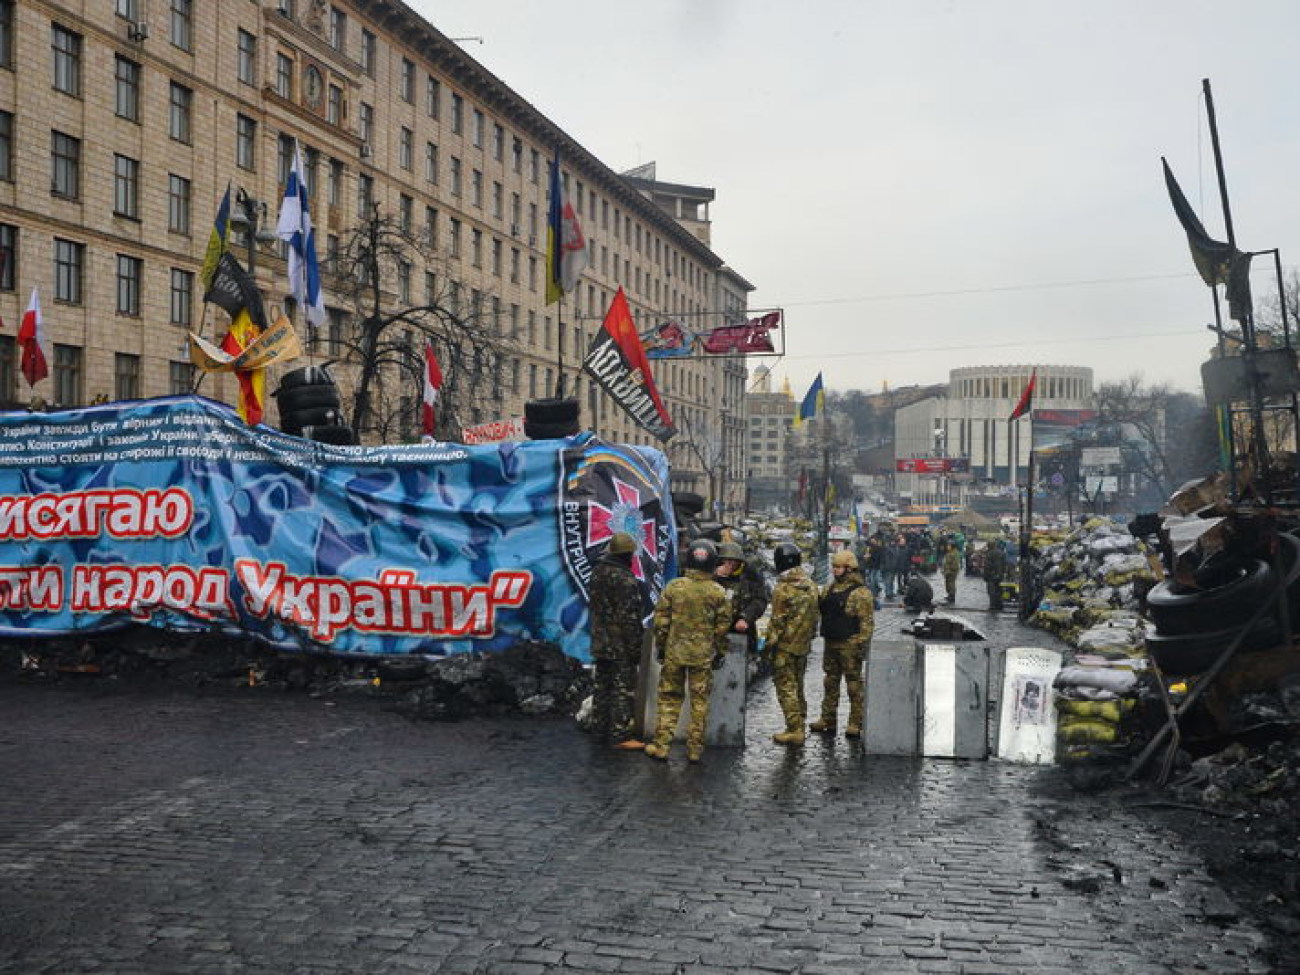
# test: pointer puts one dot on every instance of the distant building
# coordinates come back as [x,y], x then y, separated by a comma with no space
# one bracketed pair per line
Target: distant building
[770,420]
[968,422]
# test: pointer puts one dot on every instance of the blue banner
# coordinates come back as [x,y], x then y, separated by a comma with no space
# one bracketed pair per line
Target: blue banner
[173,513]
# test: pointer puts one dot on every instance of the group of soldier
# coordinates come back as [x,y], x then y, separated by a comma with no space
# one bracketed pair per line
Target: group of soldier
[721,592]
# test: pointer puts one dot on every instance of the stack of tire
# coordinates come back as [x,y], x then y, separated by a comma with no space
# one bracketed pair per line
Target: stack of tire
[310,406]
[550,419]
[1195,624]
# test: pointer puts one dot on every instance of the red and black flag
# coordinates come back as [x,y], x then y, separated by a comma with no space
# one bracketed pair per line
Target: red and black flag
[1026,401]
[618,363]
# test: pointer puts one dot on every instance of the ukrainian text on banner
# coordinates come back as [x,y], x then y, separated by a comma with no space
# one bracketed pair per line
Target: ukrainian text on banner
[171,512]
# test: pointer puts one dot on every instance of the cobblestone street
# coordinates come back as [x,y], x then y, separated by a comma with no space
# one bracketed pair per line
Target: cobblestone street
[175,832]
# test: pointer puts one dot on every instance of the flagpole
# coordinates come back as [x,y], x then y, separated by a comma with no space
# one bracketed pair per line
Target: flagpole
[1259,446]
[1026,531]
[559,347]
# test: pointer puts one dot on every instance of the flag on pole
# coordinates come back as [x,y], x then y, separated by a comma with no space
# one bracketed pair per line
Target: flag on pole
[216,241]
[1217,262]
[813,402]
[252,382]
[234,290]
[567,255]
[617,362]
[294,227]
[432,385]
[31,339]
[1026,401]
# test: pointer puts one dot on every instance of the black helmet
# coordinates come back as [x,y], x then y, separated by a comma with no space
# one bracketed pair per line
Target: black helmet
[786,556]
[701,554]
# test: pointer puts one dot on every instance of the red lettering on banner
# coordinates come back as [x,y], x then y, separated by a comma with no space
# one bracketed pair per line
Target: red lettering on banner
[141,590]
[395,603]
[31,587]
[119,513]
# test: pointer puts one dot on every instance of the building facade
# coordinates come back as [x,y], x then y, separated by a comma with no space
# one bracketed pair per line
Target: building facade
[969,422]
[119,134]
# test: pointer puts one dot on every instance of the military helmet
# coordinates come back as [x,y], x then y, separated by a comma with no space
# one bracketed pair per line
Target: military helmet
[731,550]
[786,556]
[622,544]
[702,554]
[844,557]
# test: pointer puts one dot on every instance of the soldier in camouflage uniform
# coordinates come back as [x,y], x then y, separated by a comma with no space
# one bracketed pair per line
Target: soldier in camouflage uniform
[789,638]
[690,626]
[617,633]
[848,620]
[746,591]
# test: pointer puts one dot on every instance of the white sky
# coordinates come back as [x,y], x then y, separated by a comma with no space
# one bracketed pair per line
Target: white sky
[924,184]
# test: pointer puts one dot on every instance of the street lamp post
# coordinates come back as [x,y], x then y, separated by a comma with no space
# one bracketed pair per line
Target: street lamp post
[249,220]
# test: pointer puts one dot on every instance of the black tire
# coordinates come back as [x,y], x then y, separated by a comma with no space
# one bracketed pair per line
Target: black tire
[306,398]
[306,376]
[1189,654]
[552,412]
[687,504]
[315,417]
[550,431]
[336,434]
[1234,593]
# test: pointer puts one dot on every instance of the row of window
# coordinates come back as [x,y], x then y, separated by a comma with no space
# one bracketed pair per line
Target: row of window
[66,169]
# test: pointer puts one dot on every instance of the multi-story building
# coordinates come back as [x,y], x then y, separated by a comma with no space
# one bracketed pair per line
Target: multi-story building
[119,134]
[969,422]
[708,456]
[770,420]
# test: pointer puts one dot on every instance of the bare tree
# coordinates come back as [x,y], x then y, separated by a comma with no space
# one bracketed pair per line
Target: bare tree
[1167,437]
[380,265]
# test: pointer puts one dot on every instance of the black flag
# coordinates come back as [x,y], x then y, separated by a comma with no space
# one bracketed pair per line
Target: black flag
[1216,261]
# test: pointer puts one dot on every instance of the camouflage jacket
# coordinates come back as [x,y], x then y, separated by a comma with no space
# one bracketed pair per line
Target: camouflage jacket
[995,562]
[747,594]
[858,604]
[692,619]
[617,626]
[794,614]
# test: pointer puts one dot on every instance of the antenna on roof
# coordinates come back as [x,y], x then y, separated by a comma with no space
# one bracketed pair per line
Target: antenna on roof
[460,39]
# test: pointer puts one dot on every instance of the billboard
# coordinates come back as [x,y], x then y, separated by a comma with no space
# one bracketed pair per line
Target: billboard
[932,465]
[174,513]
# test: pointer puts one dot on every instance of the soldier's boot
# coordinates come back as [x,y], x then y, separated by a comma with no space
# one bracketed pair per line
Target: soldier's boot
[694,752]
[823,726]
[656,750]
[793,737]
[854,728]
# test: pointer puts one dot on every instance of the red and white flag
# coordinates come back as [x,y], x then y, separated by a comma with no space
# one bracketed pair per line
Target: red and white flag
[432,384]
[31,339]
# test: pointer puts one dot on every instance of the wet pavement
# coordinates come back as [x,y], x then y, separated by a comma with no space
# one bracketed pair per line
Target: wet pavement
[171,831]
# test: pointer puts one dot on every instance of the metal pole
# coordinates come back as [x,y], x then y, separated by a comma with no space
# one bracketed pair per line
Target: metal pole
[1026,530]
[1218,160]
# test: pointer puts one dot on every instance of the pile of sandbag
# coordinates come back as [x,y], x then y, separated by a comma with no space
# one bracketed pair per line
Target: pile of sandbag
[1092,581]
[1089,574]
[1099,689]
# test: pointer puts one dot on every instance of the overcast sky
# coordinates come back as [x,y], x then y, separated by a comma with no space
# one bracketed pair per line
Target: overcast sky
[923,185]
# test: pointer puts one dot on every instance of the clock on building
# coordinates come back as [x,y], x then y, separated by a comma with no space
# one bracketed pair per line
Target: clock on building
[313,87]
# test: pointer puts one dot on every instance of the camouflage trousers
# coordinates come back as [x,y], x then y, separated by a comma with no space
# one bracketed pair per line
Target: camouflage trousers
[842,660]
[674,679]
[787,679]
[614,698]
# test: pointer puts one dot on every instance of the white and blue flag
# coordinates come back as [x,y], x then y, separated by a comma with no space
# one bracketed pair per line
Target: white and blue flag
[295,228]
